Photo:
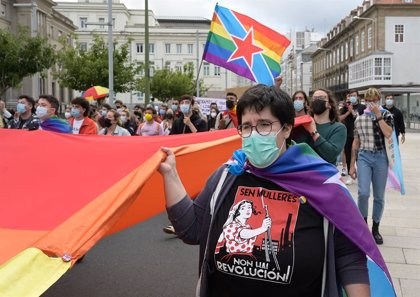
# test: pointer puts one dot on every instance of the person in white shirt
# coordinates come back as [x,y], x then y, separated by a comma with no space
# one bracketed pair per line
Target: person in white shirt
[113,125]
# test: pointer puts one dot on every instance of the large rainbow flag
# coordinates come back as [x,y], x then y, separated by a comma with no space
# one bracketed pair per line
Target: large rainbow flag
[61,193]
[244,46]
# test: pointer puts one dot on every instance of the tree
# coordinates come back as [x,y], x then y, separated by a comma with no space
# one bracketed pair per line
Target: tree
[22,55]
[80,69]
[166,84]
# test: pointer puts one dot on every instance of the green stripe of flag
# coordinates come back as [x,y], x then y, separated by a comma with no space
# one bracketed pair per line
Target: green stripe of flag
[222,42]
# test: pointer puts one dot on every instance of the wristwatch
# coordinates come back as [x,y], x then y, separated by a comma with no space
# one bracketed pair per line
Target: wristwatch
[314,133]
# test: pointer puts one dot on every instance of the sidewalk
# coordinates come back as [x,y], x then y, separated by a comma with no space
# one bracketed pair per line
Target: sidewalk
[400,225]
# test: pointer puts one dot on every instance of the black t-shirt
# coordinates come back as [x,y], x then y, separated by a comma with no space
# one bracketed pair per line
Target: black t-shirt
[239,264]
[349,120]
[179,127]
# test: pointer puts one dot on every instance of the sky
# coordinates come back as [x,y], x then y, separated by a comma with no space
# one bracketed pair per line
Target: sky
[280,15]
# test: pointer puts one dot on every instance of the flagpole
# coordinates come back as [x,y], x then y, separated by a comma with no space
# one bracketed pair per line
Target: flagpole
[197,82]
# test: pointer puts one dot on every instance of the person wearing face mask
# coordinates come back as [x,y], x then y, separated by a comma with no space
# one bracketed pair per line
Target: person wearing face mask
[80,122]
[350,111]
[167,122]
[211,119]
[258,197]
[67,112]
[128,123]
[370,131]
[175,108]
[47,113]
[26,110]
[113,125]
[119,106]
[162,112]
[105,107]
[189,121]
[328,136]
[228,119]
[301,106]
[150,127]
[398,117]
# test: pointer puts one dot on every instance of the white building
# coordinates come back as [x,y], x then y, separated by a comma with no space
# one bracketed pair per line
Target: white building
[173,41]
[297,66]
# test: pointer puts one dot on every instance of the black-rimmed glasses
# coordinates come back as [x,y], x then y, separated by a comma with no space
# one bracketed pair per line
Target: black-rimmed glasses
[262,128]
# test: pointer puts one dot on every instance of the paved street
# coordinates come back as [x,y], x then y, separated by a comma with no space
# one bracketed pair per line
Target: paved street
[143,261]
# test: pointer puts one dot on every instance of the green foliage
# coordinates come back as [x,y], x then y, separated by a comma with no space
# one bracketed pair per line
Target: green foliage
[166,84]
[22,55]
[79,69]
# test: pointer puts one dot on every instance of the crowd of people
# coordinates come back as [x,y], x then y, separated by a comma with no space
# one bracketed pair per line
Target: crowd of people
[348,132]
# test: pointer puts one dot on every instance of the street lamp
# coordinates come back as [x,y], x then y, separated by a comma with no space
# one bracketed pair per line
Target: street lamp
[362,18]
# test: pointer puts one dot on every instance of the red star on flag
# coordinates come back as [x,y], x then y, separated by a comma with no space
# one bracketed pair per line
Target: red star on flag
[245,48]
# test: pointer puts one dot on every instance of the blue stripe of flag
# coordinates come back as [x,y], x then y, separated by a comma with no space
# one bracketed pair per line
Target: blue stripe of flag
[261,71]
[232,25]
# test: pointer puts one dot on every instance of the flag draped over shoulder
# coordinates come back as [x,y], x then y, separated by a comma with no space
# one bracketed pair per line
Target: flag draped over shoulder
[244,46]
[62,193]
[300,170]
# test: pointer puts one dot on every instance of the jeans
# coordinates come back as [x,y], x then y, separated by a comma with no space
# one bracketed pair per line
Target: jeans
[372,167]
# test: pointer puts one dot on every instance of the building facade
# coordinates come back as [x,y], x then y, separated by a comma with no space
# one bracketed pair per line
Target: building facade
[297,65]
[376,45]
[173,41]
[41,17]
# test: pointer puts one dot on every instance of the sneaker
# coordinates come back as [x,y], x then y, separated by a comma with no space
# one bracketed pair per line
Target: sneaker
[169,229]
[344,171]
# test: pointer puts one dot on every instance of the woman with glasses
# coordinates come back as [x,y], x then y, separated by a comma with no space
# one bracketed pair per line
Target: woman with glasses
[327,135]
[292,237]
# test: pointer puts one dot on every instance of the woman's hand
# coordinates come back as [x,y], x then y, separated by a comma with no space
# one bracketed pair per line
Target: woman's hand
[168,165]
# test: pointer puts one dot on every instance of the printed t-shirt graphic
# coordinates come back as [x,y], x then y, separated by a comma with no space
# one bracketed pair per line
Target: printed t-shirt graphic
[257,240]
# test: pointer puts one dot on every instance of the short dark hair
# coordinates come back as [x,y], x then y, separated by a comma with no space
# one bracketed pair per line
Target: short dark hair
[152,109]
[353,91]
[107,106]
[52,100]
[261,96]
[231,94]
[187,97]
[30,100]
[118,101]
[83,103]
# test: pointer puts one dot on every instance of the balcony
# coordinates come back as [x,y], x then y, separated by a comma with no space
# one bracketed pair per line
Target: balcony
[373,70]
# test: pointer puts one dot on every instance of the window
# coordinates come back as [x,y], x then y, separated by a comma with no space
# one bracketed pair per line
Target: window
[369,32]
[190,48]
[346,55]
[178,68]
[206,69]
[151,48]
[139,48]
[216,70]
[102,21]
[378,66]
[113,23]
[362,41]
[83,46]
[351,48]
[151,68]
[178,48]
[399,33]
[342,53]
[83,22]
[2,9]
[357,45]
[387,68]
[167,48]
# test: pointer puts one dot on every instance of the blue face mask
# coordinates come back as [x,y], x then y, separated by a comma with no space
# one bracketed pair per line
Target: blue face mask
[21,108]
[353,100]
[298,105]
[262,151]
[389,102]
[75,112]
[41,111]
[185,108]
[162,112]
[174,107]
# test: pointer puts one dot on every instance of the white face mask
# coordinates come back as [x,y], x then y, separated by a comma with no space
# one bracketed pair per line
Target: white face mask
[213,114]
[67,115]
[123,119]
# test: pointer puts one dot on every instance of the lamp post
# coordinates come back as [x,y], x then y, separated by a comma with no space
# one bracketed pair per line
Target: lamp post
[146,53]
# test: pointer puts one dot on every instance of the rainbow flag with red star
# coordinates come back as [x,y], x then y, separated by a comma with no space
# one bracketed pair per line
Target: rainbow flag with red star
[244,46]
